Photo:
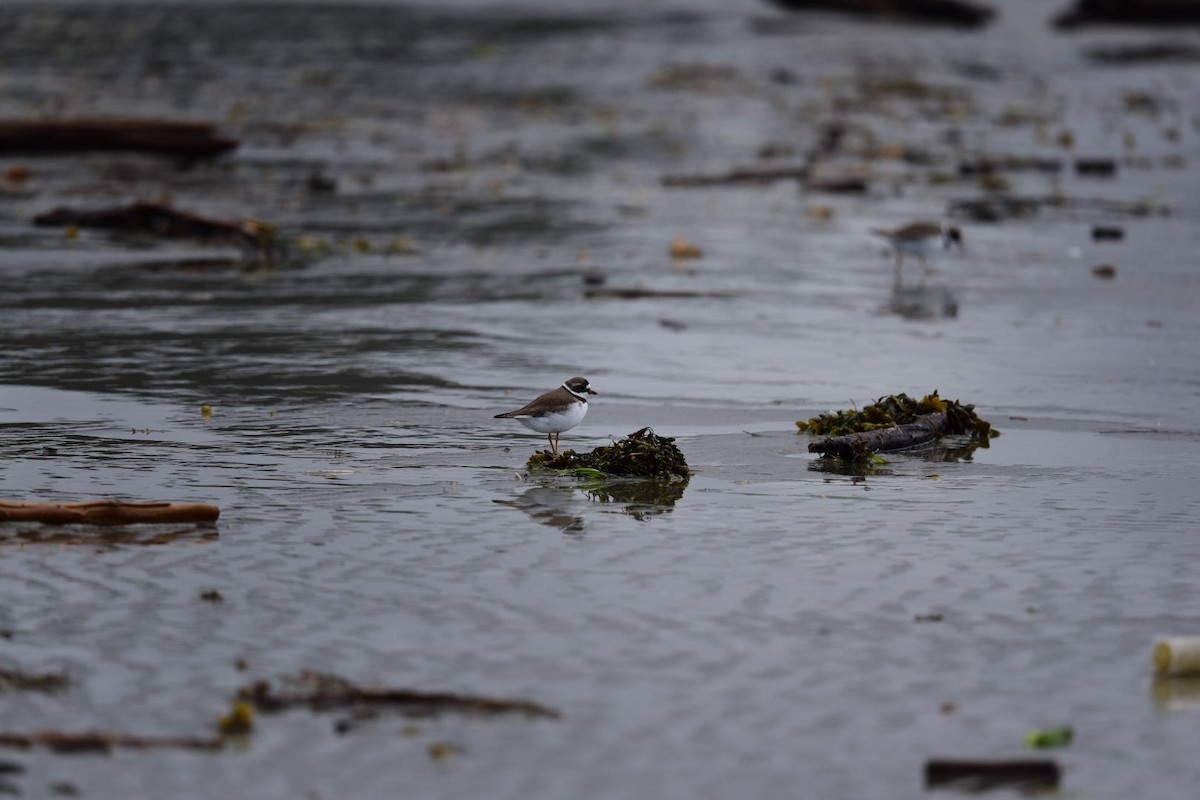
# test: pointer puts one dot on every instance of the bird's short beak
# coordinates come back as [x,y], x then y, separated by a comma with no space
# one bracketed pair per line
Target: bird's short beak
[591,390]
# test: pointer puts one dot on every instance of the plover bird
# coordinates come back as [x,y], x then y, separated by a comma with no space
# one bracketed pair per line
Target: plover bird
[555,411]
[919,239]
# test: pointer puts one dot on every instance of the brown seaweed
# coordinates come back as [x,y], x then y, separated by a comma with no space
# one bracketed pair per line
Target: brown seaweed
[641,454]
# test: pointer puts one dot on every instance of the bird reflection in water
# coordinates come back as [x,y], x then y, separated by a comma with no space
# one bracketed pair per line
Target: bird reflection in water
[548,505]
[923,302]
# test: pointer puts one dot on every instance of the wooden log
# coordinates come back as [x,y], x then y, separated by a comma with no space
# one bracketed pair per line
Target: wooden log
[982,774]
[899,437]
[945,12]
[170,137]
[106,512]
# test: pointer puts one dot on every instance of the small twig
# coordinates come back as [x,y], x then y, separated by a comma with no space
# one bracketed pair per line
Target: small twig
[103,742]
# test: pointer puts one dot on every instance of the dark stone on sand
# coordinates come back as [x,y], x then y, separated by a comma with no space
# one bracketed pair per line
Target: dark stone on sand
[936,12]
[1130,12]
[1107,233]
[1096,167]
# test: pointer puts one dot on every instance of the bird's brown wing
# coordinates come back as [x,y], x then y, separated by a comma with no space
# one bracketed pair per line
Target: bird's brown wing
[531,408]
[918,230]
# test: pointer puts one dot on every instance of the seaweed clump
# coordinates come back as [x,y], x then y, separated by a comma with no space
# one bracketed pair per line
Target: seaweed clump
[641,454]
[900,409]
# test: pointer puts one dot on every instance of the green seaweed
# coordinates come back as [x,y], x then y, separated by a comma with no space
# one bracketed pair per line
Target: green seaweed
[900,409]
[641,454]
[1043,738]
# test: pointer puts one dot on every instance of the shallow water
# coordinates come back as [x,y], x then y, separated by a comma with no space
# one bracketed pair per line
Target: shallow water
[756,635]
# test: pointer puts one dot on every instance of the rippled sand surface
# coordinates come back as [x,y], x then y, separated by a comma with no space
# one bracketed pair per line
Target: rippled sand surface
[446,174]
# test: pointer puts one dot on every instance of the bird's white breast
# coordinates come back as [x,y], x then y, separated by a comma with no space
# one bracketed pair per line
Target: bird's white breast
[557,421]
[915,247]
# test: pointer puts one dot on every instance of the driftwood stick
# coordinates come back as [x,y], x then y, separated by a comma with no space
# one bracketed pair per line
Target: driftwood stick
[639,293]
[170,137]
[738,175]
[1041,773]
[946,12]
[857,445]
[106,512]
[161,220]
[321,692]
[102,741]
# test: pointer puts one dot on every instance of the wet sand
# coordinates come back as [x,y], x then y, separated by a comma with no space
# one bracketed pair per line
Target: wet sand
[444,176]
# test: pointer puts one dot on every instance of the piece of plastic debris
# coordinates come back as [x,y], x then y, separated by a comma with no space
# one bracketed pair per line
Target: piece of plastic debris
[1177,655]
[682,248]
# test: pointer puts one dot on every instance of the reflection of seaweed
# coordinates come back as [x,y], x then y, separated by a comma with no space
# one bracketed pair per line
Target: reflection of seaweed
[944,451]
[958,448]
[851,467]
[645,498]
